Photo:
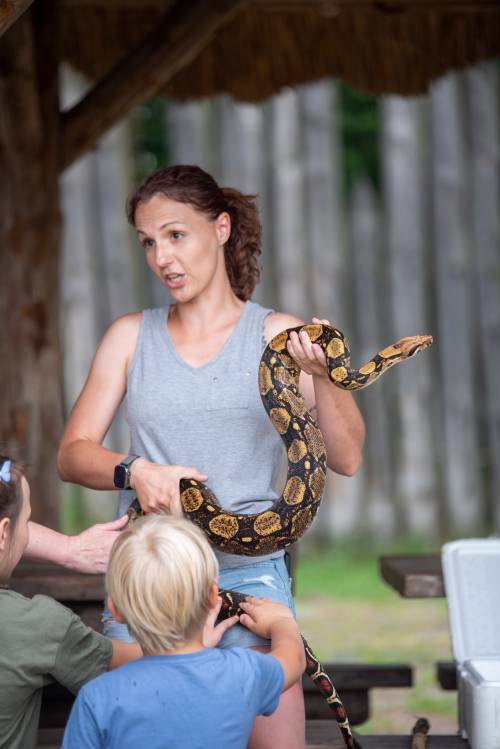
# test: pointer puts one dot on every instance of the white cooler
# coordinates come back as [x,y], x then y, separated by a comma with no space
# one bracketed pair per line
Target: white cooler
[471,569]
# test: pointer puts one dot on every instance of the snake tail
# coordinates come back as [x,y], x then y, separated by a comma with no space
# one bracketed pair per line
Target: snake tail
[231,601]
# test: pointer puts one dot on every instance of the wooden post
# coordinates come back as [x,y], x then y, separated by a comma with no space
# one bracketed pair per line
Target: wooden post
[483,85]
[10,11]
[369,290]
[454,273]
[287,201]
[404,190]
[30,406]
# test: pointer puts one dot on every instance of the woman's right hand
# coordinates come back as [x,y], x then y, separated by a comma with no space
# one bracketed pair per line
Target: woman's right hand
[157,486]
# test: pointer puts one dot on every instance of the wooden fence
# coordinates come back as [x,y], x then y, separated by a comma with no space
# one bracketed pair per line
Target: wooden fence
[420,255]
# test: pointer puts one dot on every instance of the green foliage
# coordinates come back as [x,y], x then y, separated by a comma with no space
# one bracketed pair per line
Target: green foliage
[359,124]
[149,137]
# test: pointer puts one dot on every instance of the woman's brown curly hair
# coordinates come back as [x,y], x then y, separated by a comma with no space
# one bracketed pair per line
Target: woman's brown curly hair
[191,185]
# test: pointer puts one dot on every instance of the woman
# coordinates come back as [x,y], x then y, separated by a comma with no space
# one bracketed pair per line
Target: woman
[188,373]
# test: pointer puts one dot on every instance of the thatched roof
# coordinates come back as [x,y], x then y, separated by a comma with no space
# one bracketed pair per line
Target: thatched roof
[378,46]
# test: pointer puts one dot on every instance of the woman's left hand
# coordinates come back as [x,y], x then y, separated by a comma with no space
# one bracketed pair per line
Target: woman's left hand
[213,632]
[309,356]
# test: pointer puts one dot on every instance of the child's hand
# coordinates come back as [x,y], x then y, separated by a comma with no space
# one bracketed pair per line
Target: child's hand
[261,614]
[212,633]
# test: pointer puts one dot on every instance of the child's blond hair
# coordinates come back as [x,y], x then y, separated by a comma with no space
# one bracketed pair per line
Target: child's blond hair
[160,575]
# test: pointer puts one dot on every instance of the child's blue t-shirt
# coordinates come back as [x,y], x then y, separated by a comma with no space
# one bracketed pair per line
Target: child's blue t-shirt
[206,700]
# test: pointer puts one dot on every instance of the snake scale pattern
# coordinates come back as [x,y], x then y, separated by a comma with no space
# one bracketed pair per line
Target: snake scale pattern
[293,512]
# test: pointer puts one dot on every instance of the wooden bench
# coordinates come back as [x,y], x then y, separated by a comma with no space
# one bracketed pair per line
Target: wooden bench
[446,673]
[318,736]
[353,682]
[413,575]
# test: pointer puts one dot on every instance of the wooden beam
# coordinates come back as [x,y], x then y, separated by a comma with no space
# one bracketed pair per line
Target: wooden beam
[10,10]
[322,6]
[176,40]
[333,7]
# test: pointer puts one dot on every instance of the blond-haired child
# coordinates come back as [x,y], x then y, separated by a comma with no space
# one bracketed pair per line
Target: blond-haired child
[162,581]
[40,640]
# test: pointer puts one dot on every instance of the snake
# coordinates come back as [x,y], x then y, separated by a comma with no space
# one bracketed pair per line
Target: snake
[294,510]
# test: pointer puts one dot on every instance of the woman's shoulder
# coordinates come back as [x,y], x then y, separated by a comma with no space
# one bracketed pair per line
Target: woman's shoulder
[123,332]
[275,322]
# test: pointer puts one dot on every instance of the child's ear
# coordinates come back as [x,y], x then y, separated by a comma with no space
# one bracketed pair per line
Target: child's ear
[117,614]
[4,533]
[214,594]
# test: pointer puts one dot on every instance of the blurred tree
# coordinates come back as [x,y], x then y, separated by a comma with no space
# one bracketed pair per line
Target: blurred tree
[359,126]
[150,147]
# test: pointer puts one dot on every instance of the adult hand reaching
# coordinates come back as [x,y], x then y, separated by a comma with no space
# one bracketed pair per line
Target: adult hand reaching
[86,552]
[89,551]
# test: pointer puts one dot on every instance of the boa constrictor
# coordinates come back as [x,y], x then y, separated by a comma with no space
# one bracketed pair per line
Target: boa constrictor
[293,512]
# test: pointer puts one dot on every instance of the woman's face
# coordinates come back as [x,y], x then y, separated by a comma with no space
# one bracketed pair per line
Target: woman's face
[182,246]
[14,538]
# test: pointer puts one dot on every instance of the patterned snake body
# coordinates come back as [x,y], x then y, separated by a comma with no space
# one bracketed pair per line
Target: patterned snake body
[293,512]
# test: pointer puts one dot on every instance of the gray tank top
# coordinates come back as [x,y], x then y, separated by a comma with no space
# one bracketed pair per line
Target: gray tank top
[209,417]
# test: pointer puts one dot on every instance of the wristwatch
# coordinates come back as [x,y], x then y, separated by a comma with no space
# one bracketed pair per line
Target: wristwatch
[122,472]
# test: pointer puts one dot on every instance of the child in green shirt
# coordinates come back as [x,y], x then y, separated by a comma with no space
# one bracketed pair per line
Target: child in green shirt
[40,640]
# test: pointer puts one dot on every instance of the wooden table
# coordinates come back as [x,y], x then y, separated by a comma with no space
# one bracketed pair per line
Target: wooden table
[414,575]
[319,735]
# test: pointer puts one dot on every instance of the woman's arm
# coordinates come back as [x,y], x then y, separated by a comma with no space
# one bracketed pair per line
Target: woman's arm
[86,552]
[82,458]
[335,410]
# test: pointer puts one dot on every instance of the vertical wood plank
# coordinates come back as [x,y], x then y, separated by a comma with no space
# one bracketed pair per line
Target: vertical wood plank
[483,87]
[369,291]
[287,186]
[454,275]
[326,262]
[31,407]
[323,201]
[404,191]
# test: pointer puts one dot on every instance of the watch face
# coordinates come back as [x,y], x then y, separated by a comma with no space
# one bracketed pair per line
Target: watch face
[120,477]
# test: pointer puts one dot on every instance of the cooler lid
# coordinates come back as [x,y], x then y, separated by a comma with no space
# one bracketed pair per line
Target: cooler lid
[484,670]
[471,570]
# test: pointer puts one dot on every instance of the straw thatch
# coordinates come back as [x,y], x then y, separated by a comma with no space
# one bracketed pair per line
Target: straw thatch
[394,46]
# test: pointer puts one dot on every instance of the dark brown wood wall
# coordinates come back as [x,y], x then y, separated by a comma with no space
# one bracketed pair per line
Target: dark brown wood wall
[30,402]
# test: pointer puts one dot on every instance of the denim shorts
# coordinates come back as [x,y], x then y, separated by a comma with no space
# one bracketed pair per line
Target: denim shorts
[268,579]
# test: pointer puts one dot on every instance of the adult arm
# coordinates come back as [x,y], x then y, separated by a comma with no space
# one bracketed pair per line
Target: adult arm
[336,412]
[86,552]
[83,459]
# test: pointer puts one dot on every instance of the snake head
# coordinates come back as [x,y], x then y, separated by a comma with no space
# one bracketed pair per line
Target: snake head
[412,345]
